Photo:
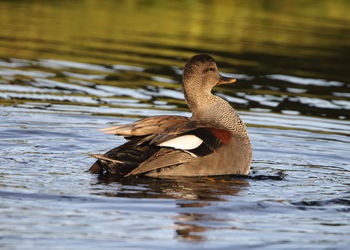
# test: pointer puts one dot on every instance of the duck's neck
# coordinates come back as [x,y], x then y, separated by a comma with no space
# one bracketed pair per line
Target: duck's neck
[207,107]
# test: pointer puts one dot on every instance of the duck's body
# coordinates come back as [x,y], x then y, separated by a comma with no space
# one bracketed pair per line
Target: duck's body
[214,141]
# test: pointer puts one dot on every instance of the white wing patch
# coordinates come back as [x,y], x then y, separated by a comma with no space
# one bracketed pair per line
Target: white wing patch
[184,142]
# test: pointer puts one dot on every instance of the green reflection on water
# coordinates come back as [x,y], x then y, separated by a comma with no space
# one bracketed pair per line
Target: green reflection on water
[256,38]
[308,38]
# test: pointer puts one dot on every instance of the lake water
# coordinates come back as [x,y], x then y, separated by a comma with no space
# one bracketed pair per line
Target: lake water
[68,68]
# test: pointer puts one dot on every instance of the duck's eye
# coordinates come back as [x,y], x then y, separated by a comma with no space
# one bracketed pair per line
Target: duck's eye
[211,69]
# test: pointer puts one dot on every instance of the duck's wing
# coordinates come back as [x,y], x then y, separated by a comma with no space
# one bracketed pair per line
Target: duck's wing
[159,142]
[183,143]
[164,157]
[123,159]
[149,126]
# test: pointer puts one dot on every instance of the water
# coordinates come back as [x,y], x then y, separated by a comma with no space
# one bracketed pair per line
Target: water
[69,68]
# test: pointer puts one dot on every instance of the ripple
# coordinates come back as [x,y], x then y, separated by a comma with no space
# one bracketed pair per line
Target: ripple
[47,97]
[134,93]
[15,72]
[60,64]
[337,204]
[305,81]
[20,88]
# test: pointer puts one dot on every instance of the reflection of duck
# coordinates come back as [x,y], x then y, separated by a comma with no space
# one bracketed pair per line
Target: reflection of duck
[194,200]
[214,141]
[183,188]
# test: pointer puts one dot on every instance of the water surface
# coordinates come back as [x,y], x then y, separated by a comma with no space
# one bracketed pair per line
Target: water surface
[69,68]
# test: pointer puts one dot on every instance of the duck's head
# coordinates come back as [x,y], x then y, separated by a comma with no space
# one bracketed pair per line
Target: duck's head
[201,73]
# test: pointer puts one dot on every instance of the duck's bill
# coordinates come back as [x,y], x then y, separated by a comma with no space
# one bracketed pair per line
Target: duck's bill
[226,80]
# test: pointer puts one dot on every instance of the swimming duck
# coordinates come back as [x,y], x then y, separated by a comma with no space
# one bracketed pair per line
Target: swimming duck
[214,141]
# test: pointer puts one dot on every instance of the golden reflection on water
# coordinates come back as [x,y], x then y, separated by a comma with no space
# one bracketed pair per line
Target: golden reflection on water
[135,31]
[82,44]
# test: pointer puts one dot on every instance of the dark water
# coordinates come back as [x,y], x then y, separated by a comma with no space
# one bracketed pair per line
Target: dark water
[68,68]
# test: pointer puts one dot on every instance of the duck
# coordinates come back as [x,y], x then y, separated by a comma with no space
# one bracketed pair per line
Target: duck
[214,141]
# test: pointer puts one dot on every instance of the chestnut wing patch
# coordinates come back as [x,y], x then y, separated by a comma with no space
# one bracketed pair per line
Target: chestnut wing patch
[222,135]
[213,138]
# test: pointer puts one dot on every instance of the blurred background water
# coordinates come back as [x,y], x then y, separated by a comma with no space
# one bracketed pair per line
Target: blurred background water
[68,68]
